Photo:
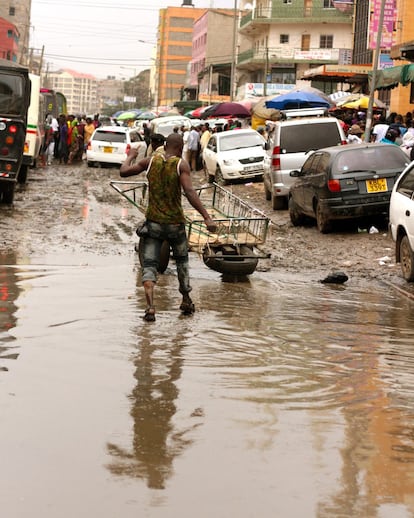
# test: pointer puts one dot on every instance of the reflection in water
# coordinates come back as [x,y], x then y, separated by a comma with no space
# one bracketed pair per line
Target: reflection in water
[9,292]
[156,441]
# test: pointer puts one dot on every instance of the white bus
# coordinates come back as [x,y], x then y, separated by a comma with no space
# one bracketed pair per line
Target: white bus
[35,130]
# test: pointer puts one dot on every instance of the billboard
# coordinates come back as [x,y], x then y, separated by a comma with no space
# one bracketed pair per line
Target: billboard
[387,29]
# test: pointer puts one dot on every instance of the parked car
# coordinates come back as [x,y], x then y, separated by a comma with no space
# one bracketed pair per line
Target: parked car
[165,125]
[345,182]
[402,221]
[291,140]
[235,154]
[110,145]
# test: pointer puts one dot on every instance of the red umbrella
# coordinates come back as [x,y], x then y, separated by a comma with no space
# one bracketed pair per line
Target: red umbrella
[227,109]
[198,112]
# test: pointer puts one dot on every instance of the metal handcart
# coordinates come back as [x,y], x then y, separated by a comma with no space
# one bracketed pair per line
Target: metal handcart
[233,248]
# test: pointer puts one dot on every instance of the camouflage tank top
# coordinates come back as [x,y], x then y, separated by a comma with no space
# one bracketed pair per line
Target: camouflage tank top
[164,202]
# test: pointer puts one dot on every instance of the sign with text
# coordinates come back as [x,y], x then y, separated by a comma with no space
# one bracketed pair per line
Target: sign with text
[387,29]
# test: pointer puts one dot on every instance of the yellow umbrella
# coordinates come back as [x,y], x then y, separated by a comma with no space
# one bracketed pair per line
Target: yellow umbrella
[362,104]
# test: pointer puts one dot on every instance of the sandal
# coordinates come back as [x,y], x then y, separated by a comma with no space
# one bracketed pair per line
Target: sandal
[187,308]
[149,315]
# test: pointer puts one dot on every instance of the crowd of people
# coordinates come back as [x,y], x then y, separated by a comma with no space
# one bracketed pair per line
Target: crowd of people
[396,129]
[66,138]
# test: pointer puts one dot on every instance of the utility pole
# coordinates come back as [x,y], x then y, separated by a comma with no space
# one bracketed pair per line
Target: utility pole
[233,56]
[266,71]
[368,123]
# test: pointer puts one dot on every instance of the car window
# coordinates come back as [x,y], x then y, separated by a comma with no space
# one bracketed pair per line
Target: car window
[212,144]
[310,163]
[406,185]
[134,136]
[240,140]
[300,138]
[109,136]
[370,159]
[323,163]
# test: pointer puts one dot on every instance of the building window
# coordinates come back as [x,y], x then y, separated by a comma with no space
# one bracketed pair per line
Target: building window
[326,41]
[12,11]
[328,4]
[287,1]
[284,38]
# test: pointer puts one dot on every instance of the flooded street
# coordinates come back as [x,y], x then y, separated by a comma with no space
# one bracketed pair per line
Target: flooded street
[280,397]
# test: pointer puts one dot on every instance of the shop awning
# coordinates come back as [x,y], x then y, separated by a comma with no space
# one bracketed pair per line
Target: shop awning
[393,76]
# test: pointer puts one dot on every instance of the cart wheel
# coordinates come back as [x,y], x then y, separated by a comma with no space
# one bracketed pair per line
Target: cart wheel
[231,264]
[164,256]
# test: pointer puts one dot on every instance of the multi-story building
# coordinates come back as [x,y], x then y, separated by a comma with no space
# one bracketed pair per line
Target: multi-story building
[110,92]
[174,52]
[17,12]
[210,66]
[402,97]
[9,41]
[79,89]
[280,39]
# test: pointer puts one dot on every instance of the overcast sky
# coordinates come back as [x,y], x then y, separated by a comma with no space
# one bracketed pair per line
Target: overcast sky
[101,37]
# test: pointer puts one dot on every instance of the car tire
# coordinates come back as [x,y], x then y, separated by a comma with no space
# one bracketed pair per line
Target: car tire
[90,164]
[268,194]
[22,177]
[7,193]
[220,180]
[322,222]
[296,217]
[278,202]
[406,259]
[164,255]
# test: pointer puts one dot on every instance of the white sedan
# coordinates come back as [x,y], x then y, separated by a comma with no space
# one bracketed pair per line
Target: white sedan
[402,221]
[235,154]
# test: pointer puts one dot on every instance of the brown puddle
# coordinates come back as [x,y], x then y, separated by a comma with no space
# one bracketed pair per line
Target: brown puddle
[279,397]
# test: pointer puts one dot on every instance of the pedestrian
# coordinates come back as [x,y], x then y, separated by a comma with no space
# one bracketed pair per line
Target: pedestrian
[379,130]
[157,141]
[73,141]
[147,133]
[354,134]
[167,176]
[63,149]
[49,141]
[390,137]
[193,144]
[205,135]
[87,132]
[185,133]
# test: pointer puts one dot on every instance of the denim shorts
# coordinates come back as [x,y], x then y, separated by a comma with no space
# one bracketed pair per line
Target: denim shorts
[176,236]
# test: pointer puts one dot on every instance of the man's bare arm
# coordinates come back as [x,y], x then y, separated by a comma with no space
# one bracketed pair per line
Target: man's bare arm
[192,196]
[128,170]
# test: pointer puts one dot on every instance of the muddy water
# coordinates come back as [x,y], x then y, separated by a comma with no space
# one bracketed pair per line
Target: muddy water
[280,397]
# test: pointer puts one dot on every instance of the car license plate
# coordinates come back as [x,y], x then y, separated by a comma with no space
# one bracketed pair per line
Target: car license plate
[250,168]
[379,185]
[108,149]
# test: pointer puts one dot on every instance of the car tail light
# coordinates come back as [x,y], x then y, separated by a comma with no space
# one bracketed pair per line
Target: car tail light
[127,149]
[4,151]
[89,146]
[276,157]
[12,129]
[343,142]
[334,185]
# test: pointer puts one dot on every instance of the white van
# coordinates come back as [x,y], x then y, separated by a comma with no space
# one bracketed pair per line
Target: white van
[291,141]
[165,125]
[35,130]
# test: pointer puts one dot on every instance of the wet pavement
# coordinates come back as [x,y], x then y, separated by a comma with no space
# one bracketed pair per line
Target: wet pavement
[280,397]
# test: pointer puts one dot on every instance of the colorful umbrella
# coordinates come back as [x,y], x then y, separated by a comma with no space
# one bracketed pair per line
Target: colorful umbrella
[361,104]
[297,99]
[131,114]
[147,116]
[226,109]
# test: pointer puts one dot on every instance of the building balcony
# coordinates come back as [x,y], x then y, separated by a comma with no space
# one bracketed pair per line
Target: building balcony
[255,59]
[289,13]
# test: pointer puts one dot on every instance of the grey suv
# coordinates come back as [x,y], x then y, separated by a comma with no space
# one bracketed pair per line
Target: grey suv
[291,142]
